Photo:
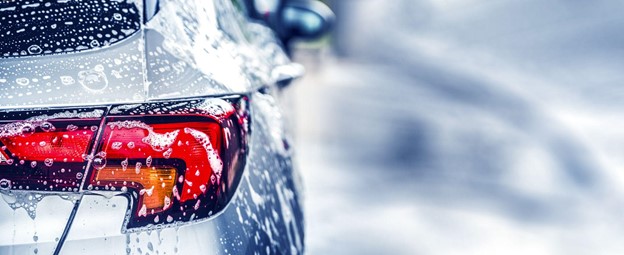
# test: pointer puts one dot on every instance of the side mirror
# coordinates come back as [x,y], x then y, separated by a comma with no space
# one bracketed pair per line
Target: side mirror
[307,20]
[293,19]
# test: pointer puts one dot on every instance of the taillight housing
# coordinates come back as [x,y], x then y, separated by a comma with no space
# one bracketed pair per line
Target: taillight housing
[176,161]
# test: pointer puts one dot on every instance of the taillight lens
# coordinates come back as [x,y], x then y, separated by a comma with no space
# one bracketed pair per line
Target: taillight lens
[175,161]
[46,150]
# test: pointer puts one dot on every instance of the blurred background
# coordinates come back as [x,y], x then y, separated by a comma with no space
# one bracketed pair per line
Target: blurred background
[464,127]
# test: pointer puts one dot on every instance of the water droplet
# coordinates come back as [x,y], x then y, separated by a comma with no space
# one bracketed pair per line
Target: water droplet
[167,203]
[47,126]
[167,154]
[95,43]
[99,162]
[48,162]
[5,184]
[124,164]
[78,176]
[22,81]
[28,130]
[33,164]
[98,68]
[94,80]
[143,210]
[147,192]
[34,49]
[67,80]
[71,127]
[116,145]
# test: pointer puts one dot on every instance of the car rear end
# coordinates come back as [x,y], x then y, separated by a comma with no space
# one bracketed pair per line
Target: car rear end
[129,131]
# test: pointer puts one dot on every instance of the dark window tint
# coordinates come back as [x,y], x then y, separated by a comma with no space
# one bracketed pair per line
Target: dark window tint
[56,26]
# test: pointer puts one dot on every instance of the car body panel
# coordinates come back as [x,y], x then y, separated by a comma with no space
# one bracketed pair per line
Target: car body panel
[84,78]
[176,54]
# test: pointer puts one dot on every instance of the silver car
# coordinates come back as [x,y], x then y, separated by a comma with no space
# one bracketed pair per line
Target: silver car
[148,127]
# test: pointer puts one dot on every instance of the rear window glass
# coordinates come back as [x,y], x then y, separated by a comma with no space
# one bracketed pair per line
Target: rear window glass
[37,27]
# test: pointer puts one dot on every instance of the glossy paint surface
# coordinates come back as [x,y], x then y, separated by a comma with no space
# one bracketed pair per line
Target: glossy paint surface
[189,49]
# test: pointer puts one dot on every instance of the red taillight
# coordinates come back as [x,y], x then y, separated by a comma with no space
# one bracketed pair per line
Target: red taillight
[137,148]
[175,161]
[60,141]
[46,150]
[197,144]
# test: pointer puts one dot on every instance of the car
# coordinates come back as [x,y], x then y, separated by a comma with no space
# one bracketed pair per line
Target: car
[149,127]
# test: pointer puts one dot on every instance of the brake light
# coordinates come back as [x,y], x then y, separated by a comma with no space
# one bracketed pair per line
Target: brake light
[174,161]
[145,146]
[135,150]
[46,150]
[68,143]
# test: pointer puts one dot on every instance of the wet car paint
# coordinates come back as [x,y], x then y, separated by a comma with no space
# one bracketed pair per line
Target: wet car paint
[264,216]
